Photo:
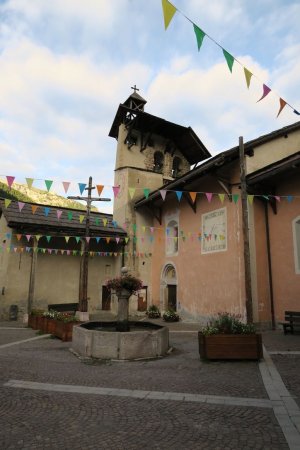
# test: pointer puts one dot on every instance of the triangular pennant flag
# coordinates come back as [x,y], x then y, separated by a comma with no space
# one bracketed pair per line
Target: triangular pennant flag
[100,188]
[48,184]
[10,180]
[98,239]
[282,105]
[152,229]
[179,195]
[169,10]
[208,196]
[88,239]
[146,192]
[143,228]
[248,76]
[50,250]
[229,59]
[28,237]
[296,112]
[163,193]
[235,198]
[193,196]
[82,187]
[29,182]
[7,202]
[74,252]
[97,221]
[266,91]
[199,36]
[48,238]
[126,240]
[38,237]
[59,213]
[221,197]
[68,252]
[104,222]
[114,223]
[66,185]
[67,238]
[77,239]
[131,192]
[250,199]
[277,197]
[19,236]
[21,206]
[34,208]
[290,198]
[117,240]
[81,218]
[107,239]
[8,235]
[47,210]
[134,227]
[116,190]
[70,215]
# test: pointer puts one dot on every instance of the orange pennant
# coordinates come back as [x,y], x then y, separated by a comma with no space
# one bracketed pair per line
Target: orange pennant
[34,208]
[100,188]
[193,196]
[282,105]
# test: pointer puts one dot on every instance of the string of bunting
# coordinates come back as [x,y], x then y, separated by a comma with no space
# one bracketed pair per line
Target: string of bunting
[55,251]
[169,11]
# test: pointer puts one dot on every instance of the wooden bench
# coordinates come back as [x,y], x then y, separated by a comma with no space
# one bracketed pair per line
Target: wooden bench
[292,320]
[64,307]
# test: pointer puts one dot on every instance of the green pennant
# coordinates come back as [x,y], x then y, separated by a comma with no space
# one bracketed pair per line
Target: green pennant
[97,221]
[146,192]
[48,184]
[235,198]
[70,215]
[199,36]
[77,239]
[48,238]
[229,59]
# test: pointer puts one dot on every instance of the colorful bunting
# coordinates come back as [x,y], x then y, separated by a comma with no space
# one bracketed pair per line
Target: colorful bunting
[248,76]
[100,188]
[235,198]
[179,195]
[29,182]
[266,91]
[104,222]
[81,218]
[48,184]
[199,36]
[116,190]
[169,10]
[209,196]
[282,105]
[47,210]
[70,215]
[250,199]
[66,185]
[221,197]
[146,192]
[34,208]
[82,187]
[131,192]
[10,180]
[229,59]
[59,213]
[21,206]
[7,202]
[193,196]
[163,194]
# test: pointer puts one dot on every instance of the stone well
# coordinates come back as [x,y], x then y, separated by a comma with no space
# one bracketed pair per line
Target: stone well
[100,340]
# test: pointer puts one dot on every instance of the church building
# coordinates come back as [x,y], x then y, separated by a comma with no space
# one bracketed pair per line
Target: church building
[185,209]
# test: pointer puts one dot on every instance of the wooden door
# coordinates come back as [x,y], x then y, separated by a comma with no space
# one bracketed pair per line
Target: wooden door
[106,299]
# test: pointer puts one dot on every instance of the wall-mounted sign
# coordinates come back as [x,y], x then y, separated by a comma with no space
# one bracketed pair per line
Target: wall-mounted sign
[214,231]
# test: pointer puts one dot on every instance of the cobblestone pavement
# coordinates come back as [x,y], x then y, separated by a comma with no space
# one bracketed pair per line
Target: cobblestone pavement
[35,419]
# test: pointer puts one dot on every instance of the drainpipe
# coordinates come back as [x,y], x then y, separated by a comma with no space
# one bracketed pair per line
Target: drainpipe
[270,265]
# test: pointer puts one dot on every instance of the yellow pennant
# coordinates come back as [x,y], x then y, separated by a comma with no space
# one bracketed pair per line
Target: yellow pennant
[221,197]
[108,240]
[169,10]
[250,199]
[104,222]
[81,219]
[7,202]
[248,76]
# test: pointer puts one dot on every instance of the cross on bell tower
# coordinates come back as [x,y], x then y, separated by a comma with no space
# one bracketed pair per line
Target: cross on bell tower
[134,88]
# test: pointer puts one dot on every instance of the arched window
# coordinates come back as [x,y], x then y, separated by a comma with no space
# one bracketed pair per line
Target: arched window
[158,162]
[176,167]
[172,238]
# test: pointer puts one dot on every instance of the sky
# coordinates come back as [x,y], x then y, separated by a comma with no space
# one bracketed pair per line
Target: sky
[66,65]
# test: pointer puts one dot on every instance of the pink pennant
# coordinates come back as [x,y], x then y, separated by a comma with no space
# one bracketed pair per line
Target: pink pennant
[10,180]
[266,91]
[209,196]
[117,240]
[163,194]
[152,229]
[58,213]
[116,190]
[66,185]
[87,239]
[277,197]
[21,206]
[28,236]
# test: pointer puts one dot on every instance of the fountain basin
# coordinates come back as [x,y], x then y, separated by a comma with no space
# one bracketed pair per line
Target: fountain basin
[100,340]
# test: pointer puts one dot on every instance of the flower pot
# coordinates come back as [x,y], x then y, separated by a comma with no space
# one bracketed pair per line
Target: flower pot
[32,321]
[64,330]
[39,323]
[230,346]
[51,326]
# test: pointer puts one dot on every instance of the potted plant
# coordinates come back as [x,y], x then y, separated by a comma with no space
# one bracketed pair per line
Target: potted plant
[64,323]
[227,337]
[153,312]
[35,319]
[171,316]
[50,318]
[124,286]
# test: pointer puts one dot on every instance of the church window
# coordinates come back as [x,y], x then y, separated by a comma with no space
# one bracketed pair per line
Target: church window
[296,232]
[158,162]
[172,238]
[176,168]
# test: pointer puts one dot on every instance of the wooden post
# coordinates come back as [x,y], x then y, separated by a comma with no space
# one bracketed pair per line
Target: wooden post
[248,289]
[32,276]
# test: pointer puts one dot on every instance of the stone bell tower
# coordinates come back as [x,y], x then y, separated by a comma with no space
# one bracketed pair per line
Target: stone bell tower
[150,153]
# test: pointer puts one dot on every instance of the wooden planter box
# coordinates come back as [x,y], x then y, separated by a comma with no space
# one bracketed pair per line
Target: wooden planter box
[230,346]
[63,330]
[50,327]
[32,321]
